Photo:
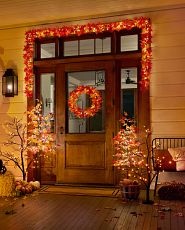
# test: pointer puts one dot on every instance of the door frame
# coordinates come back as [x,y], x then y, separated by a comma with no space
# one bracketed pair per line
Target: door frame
[117,64]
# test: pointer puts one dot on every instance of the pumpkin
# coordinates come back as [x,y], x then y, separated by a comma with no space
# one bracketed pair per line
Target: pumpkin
[23,190]
[135,182]
[24,183]
[126,182]
[18,187]
[28,189]
[17,182]
[35,185]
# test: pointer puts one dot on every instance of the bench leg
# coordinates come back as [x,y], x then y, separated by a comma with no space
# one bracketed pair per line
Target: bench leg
[156,180]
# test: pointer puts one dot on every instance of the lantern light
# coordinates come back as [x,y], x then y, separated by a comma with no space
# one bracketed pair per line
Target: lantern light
[9,83]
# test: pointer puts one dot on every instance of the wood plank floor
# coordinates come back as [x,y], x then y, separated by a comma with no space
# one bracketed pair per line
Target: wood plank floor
[69,212]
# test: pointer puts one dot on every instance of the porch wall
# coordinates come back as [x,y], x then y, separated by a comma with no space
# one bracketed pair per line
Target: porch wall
[168,74]
[167,88]
[11,56]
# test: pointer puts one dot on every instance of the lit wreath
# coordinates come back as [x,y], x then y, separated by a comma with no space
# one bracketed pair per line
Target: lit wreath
[96,101]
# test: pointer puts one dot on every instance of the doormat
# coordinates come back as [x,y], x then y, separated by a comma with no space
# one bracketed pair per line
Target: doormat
[80,191]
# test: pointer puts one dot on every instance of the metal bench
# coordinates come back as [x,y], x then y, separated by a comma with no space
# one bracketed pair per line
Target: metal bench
[162,160]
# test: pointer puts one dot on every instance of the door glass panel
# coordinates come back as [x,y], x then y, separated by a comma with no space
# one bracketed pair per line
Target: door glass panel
[70,48]
[129,91]
[86,125]
[103,45]
[48,50]
[129,42]
[87,46]
[48,95]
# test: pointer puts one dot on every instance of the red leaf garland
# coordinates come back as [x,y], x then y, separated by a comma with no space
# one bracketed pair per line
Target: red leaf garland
[65,31]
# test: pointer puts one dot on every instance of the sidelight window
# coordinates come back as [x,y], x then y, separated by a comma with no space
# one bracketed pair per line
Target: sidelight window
[129,90]
[47,91]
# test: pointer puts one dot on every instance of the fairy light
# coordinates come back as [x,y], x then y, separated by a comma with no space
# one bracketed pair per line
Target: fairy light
[38,141]
[136,165]
[142,23]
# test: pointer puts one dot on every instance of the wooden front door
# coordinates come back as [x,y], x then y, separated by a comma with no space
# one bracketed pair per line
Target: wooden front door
[84,146]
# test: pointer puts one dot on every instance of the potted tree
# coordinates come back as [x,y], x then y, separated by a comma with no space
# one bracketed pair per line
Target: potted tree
[133,156]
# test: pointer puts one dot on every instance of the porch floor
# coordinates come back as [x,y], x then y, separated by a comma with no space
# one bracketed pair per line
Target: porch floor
[51,211]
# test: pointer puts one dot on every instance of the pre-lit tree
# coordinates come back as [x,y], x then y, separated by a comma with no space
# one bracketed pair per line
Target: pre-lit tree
[26,142]
[133,154]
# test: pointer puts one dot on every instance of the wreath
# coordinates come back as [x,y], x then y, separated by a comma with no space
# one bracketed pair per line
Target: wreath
[96,101]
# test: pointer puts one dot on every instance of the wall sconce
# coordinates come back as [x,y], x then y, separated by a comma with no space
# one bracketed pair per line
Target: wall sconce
[9,83]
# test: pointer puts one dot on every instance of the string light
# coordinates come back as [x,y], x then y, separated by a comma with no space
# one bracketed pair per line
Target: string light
[39,140]
[136,163]
[142,23]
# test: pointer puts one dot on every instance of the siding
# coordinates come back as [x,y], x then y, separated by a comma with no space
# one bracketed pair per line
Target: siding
[167,94]
[167,88]
[11,56]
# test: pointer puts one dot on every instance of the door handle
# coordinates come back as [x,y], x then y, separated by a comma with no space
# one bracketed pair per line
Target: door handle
[61,130]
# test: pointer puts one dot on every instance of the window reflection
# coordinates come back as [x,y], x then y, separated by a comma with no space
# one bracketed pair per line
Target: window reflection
[103,45]
[129,42]
[129,91]
[48,96]
[48,50]
[87,46]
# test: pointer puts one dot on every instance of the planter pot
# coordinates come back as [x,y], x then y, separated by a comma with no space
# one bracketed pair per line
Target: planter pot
[130,192]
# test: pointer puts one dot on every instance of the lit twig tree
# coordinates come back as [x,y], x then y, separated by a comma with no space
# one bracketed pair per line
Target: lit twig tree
[33,137]
[133,154]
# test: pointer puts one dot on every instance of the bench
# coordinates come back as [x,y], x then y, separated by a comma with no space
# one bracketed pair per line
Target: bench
[164,155]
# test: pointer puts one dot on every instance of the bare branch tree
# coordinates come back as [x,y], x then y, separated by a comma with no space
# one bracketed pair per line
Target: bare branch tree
[33,137]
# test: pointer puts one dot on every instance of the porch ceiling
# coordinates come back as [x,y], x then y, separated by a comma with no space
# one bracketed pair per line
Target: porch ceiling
[34,12]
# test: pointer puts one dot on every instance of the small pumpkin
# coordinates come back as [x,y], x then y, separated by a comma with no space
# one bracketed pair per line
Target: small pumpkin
[35,185]
[23,190]
[18,187]
[28,189]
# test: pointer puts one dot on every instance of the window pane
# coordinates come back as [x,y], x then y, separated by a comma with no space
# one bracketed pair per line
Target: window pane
[70,48]
[92,124]
[87,46]
[48,50]
[48,95]
[129,91]
[129,42]
[103,45]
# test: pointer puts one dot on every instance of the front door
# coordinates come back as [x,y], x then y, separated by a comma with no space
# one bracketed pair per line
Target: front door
[84,145]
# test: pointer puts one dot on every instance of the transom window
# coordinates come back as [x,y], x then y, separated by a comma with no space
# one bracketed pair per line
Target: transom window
[106,43]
